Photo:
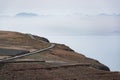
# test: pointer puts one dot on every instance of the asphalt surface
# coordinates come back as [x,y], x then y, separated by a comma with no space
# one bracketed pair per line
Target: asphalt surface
[33,52]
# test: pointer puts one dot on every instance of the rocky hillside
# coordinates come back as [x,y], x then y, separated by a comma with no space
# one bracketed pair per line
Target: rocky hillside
[46,62]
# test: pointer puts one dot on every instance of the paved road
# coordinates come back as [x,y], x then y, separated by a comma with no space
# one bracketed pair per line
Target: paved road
[33,52]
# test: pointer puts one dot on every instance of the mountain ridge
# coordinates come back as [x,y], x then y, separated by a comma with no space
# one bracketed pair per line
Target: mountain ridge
[57,63]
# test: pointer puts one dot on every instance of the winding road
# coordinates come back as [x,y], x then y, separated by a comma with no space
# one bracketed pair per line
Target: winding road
[33,52]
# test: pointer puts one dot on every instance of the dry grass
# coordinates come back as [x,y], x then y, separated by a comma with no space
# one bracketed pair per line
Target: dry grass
[61,62]
[3,57]
[20,41]
[44,71]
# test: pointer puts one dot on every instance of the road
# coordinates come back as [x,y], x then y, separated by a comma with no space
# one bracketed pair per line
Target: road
[33,52]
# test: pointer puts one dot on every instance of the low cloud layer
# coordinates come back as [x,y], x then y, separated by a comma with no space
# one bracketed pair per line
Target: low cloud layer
[72,25]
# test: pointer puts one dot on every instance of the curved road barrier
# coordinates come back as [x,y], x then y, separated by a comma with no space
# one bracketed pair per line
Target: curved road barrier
[33,52]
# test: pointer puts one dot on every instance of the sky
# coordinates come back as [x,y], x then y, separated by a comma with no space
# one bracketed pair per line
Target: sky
[66,18]
[63,16]
[59,6]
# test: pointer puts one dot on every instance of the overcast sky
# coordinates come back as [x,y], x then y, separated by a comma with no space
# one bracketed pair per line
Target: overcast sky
[77,16]
[59,6]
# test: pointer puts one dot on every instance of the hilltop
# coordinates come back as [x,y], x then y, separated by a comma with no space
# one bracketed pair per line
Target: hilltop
[48,61]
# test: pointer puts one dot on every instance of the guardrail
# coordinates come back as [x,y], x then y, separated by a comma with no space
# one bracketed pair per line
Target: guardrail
[33,52]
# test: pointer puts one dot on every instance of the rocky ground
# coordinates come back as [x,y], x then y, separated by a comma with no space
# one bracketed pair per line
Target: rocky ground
[58,63]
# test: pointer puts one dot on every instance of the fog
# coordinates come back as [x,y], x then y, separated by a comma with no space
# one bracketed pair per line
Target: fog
[63,25]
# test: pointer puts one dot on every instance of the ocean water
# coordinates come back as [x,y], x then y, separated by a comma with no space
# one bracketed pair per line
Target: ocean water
[105,49]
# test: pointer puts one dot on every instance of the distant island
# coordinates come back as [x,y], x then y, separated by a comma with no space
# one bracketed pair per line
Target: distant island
[24,14]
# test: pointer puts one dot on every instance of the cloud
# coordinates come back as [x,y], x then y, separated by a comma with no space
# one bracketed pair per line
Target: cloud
[24,14]
[4,16]
[106,14]
[64,25]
